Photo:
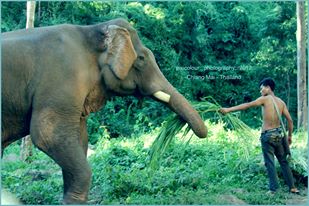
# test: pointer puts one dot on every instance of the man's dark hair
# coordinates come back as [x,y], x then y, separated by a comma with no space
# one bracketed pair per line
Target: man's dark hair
[268,82]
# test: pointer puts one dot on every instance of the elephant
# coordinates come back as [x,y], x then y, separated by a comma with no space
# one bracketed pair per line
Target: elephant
[54,76]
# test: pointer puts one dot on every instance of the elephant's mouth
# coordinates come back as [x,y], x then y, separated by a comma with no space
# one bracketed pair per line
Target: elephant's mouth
[182,107]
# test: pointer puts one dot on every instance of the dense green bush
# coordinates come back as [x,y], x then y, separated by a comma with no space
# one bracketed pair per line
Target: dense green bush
[195,173]
[256,39]
[122,117]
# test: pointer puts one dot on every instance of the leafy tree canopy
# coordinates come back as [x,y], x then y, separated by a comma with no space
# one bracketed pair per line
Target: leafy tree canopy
[230,45]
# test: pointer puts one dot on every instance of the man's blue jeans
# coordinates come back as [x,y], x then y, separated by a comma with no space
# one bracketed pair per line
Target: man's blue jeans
[272,145]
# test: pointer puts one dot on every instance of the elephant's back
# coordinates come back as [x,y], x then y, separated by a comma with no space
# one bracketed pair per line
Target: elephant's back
[38,33]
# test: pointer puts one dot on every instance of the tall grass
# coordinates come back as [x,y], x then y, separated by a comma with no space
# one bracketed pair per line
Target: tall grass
[208,108]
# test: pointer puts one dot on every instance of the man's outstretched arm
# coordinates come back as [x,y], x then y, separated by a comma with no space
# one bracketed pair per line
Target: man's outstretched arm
[255,103]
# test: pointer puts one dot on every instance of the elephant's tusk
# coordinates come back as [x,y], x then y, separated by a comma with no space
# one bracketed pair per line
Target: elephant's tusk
[162,96]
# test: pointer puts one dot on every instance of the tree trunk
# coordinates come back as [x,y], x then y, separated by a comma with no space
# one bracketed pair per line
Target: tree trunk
[301,66]
[288,94]
[30,14]
[26,148]
[26,145]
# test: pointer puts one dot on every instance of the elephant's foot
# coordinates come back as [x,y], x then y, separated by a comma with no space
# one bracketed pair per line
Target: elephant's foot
[74,198]
[76,192]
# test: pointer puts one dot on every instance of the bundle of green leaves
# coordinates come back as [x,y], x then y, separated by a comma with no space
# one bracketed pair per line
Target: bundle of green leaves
[208,109]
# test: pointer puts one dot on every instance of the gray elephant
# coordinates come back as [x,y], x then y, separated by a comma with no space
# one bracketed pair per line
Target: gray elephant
[53,77]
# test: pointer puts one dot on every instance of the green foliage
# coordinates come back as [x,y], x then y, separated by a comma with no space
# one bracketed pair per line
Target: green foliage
[256,39]
[200,172]
[122,117]
[95,128]
[207,109]
[11,21]
[37,183]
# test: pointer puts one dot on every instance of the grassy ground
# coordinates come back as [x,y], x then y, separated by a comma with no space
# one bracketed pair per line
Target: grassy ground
[221,169]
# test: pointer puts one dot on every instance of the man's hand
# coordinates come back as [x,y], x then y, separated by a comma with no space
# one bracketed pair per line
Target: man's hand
[290,140]
[224,110]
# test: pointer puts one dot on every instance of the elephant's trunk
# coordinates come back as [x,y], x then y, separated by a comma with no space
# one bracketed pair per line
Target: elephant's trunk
[182,107]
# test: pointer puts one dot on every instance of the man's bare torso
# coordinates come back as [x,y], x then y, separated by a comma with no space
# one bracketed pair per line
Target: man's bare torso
[270,116]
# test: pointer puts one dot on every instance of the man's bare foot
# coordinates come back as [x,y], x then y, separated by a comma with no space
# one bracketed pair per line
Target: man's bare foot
[294,191]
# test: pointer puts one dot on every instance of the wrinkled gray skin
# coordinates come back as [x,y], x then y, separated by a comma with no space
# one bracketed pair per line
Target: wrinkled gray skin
[53,77]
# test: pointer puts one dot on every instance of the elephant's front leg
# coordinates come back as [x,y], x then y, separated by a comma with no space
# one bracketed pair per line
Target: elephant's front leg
[58,135]
[84,134]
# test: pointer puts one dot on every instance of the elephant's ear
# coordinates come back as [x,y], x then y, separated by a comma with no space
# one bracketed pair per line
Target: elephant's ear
[120,54]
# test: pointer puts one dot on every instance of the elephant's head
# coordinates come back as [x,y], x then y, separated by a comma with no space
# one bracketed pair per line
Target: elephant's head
[127,67]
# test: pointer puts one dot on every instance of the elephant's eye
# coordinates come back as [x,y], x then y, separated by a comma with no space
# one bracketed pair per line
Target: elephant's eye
[141,58]
[140,63]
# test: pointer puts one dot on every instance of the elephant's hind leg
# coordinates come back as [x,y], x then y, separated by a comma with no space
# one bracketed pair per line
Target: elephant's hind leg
[59,137]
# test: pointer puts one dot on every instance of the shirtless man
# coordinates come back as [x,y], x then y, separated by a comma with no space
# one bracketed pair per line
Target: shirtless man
[272,134]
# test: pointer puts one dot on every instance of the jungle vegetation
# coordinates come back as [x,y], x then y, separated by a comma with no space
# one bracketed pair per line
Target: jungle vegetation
[217,49]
